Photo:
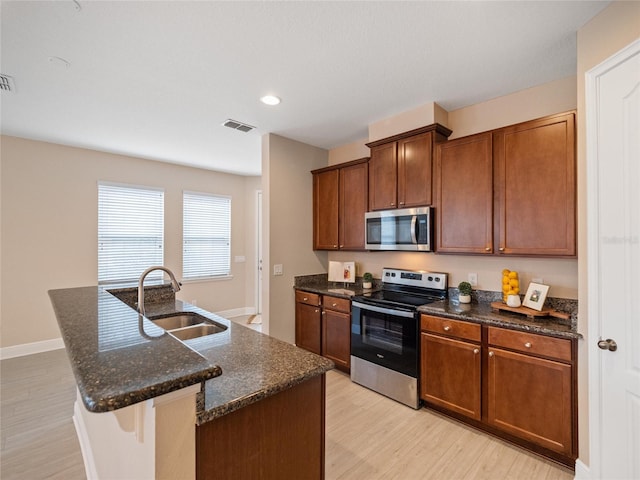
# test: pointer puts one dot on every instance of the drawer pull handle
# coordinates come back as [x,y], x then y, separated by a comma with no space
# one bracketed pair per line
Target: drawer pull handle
[528,344]
[476,351]
[491,354]
[447,328]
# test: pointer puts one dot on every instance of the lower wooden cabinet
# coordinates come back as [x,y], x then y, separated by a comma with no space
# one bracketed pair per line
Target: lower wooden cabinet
[308,322]
[515,384]
[324,327]
[530,397]
[450,374]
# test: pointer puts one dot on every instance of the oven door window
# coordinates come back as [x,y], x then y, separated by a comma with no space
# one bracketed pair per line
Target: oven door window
[383,333]
[385,339]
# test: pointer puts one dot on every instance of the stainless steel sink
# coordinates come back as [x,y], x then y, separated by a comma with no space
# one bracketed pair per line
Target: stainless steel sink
[196,331]
[187,325]
[179,320]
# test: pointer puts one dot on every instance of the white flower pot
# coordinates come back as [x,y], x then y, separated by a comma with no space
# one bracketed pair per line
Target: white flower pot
[464,298]
[366,285]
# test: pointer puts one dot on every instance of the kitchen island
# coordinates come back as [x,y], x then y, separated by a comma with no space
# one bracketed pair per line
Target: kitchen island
[152,406]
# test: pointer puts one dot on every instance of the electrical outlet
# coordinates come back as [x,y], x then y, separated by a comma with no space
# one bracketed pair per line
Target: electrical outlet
[473,279]
[277,269]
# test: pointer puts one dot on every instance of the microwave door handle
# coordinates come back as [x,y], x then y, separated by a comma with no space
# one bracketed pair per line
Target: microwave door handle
[414,225]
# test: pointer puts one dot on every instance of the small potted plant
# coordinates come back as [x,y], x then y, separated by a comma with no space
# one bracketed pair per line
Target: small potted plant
[465,292]
[367,280]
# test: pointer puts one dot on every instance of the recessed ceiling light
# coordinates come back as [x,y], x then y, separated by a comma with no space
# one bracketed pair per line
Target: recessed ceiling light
[270,100]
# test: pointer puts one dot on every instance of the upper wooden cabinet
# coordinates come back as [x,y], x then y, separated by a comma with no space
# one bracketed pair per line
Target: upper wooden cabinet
[535,182]
[463,184]
[510,191]
[340,196]
[400,168]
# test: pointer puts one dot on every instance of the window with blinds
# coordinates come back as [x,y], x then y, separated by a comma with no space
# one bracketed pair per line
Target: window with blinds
[130,232]
[206,236]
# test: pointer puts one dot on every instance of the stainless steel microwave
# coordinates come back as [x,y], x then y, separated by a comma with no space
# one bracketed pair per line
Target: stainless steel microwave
[401,229]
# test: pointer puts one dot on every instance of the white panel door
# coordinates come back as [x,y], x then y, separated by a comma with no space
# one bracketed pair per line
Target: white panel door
[613,173]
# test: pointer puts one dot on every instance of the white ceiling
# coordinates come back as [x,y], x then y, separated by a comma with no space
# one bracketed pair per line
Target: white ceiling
[156,79]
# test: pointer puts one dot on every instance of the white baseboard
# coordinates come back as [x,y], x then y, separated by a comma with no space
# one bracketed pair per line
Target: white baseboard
[237,312]
[582,471]
[30,348]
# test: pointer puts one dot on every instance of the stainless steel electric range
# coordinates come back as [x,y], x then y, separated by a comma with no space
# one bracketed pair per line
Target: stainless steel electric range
[385,325]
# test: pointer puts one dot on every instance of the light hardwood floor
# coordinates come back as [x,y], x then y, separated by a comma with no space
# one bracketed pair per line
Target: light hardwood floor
[368,436]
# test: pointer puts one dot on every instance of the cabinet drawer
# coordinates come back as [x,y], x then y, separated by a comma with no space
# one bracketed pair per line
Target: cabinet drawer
[532,343]
[454,328]
[335,303]
[308,298]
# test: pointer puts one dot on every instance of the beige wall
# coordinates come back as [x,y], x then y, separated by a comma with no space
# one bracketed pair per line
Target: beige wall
[348,152]
[614,28]
[553,97]
[49,229]
[288,192]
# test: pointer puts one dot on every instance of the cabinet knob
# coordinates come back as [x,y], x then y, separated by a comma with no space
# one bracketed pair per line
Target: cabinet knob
[335,246]
[392,204]
[447,328]
[334,304]
[305,299]
[401,203]
[341,246]
[317,310]
[487,249]
[476,351]
[501,249]
[491,354]
[528,344]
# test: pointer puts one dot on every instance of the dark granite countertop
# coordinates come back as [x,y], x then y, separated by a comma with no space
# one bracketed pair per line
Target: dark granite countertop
[115,365]
[482,312]
[319,284]
[479,311]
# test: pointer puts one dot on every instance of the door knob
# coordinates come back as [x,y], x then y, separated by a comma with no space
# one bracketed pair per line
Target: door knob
[608,344]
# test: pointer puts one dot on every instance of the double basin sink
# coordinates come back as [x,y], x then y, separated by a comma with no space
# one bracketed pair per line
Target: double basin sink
[187,325]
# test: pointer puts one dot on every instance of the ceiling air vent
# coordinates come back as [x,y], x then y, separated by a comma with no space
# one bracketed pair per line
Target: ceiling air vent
[6,83]
[236,125]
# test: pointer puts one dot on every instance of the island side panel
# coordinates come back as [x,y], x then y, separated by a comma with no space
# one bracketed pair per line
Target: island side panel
[281,436]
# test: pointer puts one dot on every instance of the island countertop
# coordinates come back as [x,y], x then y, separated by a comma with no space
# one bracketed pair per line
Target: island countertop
[119,359]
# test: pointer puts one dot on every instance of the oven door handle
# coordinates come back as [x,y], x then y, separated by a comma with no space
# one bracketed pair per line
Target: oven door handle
[388,311]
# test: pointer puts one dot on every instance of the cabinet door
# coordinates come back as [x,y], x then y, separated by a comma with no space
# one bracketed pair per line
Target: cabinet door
[414,170]
[530,397]
[450,374]
[464,195]
[383,177]
[535,179]
[354,185]
[308,327]
[325,210]
[336,338]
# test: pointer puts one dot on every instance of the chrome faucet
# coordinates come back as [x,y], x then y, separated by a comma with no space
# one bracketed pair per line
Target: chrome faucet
[174,284]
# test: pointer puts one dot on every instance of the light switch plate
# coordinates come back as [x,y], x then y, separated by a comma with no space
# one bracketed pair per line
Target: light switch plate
[277,269]
[473,279]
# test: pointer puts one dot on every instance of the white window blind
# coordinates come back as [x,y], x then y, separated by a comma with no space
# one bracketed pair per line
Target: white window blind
[130,232]
[206,235]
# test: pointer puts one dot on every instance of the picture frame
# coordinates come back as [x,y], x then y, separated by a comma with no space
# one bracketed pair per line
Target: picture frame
[535,296]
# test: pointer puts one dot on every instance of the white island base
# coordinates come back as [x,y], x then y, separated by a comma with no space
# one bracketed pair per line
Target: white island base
[153,439]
